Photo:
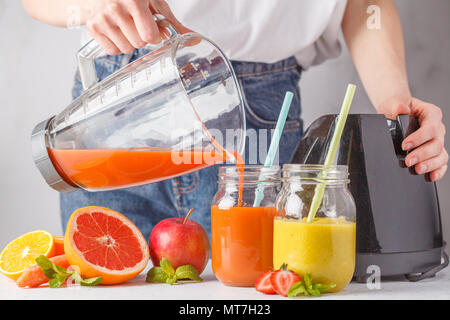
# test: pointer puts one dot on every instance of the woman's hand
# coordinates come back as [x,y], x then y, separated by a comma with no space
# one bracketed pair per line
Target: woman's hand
[430,155]
[122,25]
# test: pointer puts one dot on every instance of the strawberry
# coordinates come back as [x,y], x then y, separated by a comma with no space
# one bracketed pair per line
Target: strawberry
[283,279]
[263,284]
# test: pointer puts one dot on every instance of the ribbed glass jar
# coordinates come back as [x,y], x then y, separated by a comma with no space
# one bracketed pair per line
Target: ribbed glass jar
[325,245]
[242,233]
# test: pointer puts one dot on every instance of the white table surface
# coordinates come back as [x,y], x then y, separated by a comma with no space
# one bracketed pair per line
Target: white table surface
[211,289]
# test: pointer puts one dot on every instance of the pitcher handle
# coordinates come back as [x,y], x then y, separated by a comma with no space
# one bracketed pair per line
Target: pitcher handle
[92,49]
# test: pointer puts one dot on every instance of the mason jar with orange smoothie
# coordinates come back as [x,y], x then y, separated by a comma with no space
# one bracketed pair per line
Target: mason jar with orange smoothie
[241,233]
[325,246]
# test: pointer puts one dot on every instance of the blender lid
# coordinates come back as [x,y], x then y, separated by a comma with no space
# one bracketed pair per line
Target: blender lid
[42,159]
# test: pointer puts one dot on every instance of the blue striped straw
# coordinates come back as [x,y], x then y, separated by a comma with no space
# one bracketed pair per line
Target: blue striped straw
[259,193]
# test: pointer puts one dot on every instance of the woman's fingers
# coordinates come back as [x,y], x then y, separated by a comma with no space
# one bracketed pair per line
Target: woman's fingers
[143,19]
[124,21]
[425,133]
[424,152]
[429,154]
[432,164]
[431,126]
[438,174]
[427,151]
[123,25]
[113,32]
[104,42]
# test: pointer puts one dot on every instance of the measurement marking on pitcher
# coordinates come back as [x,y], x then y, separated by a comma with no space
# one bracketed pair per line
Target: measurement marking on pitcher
[187,82]
[205,74]
[195,66]
[117,87]
[133,79]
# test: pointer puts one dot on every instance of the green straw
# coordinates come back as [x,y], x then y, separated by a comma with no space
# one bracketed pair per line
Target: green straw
[259,193]
[329,160]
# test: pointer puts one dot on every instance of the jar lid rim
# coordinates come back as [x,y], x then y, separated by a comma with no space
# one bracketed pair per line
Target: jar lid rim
[250,173]
[249,169]
[308,167]
[315,172]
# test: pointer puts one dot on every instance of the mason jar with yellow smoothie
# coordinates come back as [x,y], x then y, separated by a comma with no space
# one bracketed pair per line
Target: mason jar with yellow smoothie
[324,246]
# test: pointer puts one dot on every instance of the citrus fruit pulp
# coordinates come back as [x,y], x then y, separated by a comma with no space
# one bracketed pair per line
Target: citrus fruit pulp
[59,245]
[22,252]
[103,242]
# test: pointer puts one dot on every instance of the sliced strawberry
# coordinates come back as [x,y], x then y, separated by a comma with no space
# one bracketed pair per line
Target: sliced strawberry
[263,284]
[283,279]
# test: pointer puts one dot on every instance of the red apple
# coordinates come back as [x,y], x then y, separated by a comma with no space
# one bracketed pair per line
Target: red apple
[181,241]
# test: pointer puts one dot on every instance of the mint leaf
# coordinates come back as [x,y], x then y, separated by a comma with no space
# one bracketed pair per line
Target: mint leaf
[172,279]
[297,289]
[49,268]
[308,280]
[58,275]
[323,287]
[61,270]
[46,266]
[163,274]
[187,272]
[90,282]
[314,292]
[308,288]
[166,274]
[166,266]
[57,280]
[76,277]
[156,274]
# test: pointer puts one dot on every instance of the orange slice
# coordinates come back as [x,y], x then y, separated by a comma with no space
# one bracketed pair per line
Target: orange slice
[21,253]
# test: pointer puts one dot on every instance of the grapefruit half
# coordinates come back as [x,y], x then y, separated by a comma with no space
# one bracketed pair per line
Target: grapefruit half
[103,242]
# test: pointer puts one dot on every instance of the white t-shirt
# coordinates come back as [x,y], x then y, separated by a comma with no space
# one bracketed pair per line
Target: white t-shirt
[267,30]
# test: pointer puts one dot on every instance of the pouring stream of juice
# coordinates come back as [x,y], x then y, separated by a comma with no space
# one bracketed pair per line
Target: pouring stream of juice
[329,160]
[234,157]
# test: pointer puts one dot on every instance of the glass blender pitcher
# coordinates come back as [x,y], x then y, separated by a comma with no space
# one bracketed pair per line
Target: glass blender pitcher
[166,114]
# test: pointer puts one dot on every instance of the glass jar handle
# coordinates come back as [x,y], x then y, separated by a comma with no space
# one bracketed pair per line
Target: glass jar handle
[92,49]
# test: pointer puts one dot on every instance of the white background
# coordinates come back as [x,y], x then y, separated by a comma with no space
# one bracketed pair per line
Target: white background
[36,72]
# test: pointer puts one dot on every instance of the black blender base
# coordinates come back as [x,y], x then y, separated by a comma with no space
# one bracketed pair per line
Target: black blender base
[413,266]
